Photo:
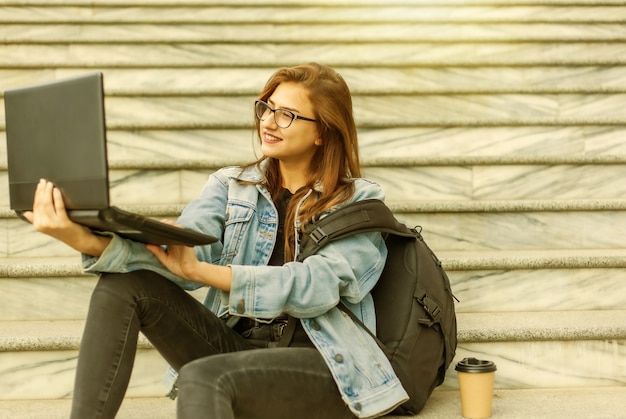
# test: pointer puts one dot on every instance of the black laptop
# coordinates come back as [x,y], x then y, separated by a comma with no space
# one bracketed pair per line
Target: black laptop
[56,131]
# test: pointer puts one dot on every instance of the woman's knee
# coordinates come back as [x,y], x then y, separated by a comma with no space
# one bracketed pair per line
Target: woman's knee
[126,287]
[261,383]
[202,393]
[207,370]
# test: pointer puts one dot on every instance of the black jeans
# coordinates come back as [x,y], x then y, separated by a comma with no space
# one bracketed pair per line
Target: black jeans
[224,376]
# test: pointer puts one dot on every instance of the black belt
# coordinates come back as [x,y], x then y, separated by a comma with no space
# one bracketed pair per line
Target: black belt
[246,323]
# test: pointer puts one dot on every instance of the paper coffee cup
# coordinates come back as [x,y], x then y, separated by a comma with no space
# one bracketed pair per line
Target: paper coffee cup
[476,379]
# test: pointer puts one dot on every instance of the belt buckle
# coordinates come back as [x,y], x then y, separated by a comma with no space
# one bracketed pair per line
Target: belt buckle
[281,327]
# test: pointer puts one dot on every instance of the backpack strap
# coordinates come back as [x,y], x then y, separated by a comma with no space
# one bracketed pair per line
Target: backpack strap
[358,217]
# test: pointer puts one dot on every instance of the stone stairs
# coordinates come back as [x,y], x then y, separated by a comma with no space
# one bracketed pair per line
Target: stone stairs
[495,125]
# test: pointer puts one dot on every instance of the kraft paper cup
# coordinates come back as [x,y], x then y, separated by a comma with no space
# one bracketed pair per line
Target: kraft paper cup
[476,379]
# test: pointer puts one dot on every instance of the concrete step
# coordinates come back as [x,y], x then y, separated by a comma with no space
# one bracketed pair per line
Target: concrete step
[579,403]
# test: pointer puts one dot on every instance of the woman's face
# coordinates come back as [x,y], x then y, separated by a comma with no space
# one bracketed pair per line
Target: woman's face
[296,144]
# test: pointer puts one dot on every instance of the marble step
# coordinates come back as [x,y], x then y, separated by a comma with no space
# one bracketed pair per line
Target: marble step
[512,282]
[31,284]
[380,54]
[150,32]
[308,13]
[524,231]
[345,3]
[38,361]
[463,188]
[538,349]
[422,164]
[399,146]
[521,231]
[469,110]
[132,408]
[362,80]
[531,350]
[560,403]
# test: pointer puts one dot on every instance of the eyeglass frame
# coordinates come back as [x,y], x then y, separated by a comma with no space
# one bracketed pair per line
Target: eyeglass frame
[294,116]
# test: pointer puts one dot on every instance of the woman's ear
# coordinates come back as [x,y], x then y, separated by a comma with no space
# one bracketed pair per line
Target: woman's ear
[318,141]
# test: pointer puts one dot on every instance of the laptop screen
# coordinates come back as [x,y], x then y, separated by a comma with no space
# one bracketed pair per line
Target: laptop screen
[57,131]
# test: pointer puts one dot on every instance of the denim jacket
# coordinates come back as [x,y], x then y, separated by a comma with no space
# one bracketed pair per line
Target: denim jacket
[244,217]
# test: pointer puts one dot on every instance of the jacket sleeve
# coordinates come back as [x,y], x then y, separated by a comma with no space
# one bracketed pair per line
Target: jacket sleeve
[204,214]
[345,269]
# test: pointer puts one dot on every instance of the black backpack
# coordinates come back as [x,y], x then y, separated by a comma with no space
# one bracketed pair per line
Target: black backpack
[415,315]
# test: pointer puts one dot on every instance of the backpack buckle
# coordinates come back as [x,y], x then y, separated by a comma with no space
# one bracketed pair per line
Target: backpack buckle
[430,306]
[318,235]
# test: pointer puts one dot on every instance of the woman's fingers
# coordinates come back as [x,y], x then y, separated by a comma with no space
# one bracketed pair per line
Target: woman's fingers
[42,201]
[58,203]
[40,198]
[49,212]
[49,216]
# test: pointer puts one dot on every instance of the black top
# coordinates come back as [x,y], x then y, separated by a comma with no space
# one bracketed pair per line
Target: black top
[281,202]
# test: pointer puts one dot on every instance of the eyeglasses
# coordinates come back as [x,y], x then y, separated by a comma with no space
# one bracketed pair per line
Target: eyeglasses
[282,117]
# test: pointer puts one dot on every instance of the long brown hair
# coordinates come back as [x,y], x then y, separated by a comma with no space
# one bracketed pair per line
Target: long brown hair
[335,162]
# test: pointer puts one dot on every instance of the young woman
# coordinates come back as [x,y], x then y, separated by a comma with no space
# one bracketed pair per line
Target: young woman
[226,351]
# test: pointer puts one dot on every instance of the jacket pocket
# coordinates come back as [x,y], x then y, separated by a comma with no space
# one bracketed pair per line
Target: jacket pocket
[238,216]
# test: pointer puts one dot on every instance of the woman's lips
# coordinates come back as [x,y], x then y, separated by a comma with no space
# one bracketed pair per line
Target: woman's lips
[269,138]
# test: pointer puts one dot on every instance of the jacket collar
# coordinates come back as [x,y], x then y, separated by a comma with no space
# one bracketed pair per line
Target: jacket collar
[254,174]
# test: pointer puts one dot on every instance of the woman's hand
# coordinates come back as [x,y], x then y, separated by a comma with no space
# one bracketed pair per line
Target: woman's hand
[183,262]
[50,217]
[180,260]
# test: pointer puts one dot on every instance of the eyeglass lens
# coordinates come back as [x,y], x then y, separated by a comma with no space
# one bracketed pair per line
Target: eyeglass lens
[282,117]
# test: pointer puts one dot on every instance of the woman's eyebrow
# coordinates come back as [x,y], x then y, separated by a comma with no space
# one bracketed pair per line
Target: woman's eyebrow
[271,102]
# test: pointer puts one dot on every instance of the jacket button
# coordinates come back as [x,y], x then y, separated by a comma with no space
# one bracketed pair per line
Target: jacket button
[358,406]
[241,307]
[339,358]
[316,326]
